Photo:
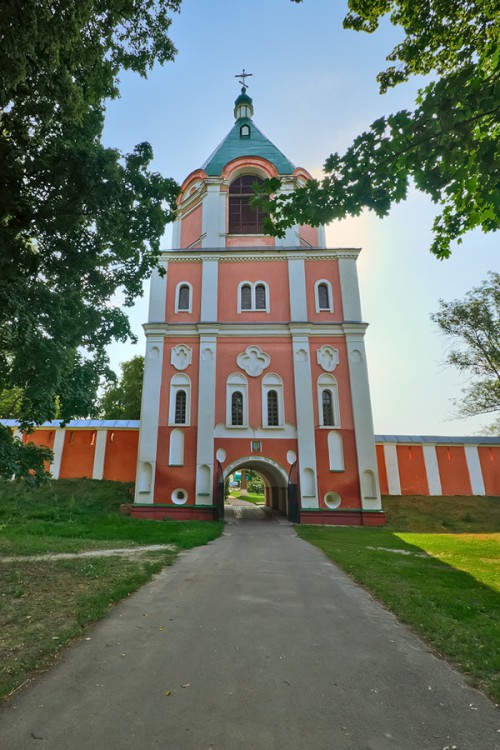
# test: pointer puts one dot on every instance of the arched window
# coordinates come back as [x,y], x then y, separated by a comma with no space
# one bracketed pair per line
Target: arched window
[180,398]
[183,297]
[327,406]
[272,409]
[180,407]
[260,297]
[323,296]
[272,401]
[237,409]
[243,217]
[236,400]
[253,296]
[246,297]
[328,401]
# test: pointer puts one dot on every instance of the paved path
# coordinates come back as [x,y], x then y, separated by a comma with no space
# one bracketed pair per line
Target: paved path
[254,642]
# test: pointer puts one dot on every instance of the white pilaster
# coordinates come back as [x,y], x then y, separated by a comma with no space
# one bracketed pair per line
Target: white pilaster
[210,226]
[363,420]
[321,236]
[432,470]
[157,296]
[176,233]
[55,467]
[206,419]
[209,284]
[291,233]
[305,421]
[475,471]
[351,303]
[297,286]
[392,468]
[99,454]
[150,407]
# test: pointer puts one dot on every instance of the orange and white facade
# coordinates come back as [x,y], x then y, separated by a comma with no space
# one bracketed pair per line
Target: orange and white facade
[255,353]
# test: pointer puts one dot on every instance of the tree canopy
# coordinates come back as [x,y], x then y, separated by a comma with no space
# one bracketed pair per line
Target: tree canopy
[122,399]
[448,145]
[473,325]
[80,224]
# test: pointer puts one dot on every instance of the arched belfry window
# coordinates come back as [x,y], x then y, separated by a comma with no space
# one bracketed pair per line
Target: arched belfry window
[260,297]
[328,401]
[180,407]
[253,296]
[183,297]
[236,400]
[327,405]
[272,401]
[237,409]
[323,296]
[243,217]
[246,297]
[180,400]
[272,409]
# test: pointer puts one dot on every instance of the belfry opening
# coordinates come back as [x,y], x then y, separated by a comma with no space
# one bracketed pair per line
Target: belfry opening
[255,355]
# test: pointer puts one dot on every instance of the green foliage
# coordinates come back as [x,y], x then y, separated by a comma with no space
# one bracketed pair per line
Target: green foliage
[448,145]
[122,400]
[474,325]
[10,403]
[24,461]
[79,223]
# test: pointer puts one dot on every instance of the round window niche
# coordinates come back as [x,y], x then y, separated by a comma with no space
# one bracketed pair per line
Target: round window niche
[179,496]
[332,500]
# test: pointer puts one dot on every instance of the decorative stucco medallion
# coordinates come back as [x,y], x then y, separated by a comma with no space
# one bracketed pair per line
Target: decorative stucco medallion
[328,358]
[181,356]
[301,355]
[253,360]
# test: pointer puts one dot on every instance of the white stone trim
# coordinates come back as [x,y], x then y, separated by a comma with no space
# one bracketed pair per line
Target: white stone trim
[55,467]
[475,470]
[362,414]
[245,254]
[255,458]
[432,469]
[236,382]
[209,287]
[179,382]
[328,382]
[210,218]
[206,418]
[253,285]
[351,303]
[150,407]
[305,421]
[157,295]
[328,285]
[177,293]
[99,454]
[297,287]
[392,468]
[288,431]
[272,382]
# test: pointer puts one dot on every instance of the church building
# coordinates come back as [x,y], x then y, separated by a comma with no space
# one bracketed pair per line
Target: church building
[255,355]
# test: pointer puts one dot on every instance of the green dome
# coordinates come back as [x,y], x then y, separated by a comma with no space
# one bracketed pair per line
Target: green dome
[243,98]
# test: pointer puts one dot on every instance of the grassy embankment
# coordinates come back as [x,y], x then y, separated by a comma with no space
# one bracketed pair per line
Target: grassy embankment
[436,565]
[251,497]
[44,604]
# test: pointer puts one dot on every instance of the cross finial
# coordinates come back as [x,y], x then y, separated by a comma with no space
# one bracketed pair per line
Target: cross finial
[242,76]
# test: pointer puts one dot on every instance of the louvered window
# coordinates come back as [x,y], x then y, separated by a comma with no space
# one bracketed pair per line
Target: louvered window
[327,408]
[180,407]
[272,409]
[237,408]
[243,217]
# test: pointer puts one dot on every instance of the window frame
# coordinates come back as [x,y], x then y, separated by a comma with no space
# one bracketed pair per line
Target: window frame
[273,382]
[179,382]
[329,383]
[328,285]
[178,288]
[241,199]
[253,297]
[236,383]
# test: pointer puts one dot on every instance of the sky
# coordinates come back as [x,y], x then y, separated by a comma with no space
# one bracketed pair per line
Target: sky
[314,89]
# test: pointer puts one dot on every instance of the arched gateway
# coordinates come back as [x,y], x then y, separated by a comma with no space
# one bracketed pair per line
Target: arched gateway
[255,353]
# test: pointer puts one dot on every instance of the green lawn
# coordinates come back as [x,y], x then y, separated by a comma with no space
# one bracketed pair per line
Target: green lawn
[44,604]
[446,586]
[251,497]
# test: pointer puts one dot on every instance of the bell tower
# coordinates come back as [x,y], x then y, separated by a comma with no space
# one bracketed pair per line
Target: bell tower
[255,353]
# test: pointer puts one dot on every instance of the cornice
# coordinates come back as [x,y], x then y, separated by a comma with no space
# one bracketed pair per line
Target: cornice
[261,329]
[245,254]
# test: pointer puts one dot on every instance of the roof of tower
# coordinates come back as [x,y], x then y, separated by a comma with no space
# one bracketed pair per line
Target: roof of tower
[245,141]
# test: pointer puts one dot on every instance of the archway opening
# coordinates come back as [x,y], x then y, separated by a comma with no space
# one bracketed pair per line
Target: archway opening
[272,498]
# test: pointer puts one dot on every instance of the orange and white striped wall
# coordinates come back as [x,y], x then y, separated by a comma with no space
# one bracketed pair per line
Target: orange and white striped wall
[407,465]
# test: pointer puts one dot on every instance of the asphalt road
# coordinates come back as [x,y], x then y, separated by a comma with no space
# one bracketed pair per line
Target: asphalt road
[254,642]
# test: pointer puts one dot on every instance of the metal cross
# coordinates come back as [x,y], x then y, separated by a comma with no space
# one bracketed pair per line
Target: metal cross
[243,76]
